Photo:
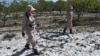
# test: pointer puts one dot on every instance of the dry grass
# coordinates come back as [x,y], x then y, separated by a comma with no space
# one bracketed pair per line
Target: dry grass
[8,36]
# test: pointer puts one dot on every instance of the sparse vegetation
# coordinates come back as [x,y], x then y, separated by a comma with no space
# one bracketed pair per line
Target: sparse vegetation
[45,9]
[8,36]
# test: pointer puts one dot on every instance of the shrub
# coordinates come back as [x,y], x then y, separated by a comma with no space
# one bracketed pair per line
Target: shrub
[8,36]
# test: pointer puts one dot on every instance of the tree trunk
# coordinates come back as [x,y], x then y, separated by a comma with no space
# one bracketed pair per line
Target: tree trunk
[96,13]
[16,17]
[60,12]
[78,16]
[4,20]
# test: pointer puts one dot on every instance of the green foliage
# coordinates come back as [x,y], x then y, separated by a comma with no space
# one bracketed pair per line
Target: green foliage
[60,5]
[50,6]
[22,5]
[43,5]
[95,5]
[18,6]
[1,7]
[84,5]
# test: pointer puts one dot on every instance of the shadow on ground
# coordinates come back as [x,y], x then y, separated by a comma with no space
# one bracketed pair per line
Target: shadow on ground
[55,34]
[20,52]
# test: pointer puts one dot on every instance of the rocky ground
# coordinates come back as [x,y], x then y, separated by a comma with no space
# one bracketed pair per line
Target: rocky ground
[85,41]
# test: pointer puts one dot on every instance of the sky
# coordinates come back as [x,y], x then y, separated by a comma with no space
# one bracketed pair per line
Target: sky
[8,1]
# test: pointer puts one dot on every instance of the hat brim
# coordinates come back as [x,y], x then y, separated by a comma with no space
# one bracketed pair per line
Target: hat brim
[30,7]
[33,9]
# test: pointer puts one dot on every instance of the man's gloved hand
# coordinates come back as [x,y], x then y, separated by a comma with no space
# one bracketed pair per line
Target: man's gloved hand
[23,34]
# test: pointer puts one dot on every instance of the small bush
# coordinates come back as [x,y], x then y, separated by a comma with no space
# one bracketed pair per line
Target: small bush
[62,22]
[8,36]
[97,46]
[54,20]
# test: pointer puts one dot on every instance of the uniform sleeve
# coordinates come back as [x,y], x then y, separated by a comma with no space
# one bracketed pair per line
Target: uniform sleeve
[23,23]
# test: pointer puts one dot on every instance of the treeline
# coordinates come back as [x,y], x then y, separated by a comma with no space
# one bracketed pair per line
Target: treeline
[43,5]
[81,6]
[40,5]
[17,6]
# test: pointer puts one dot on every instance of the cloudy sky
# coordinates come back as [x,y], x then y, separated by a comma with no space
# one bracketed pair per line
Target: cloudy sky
[8,1]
